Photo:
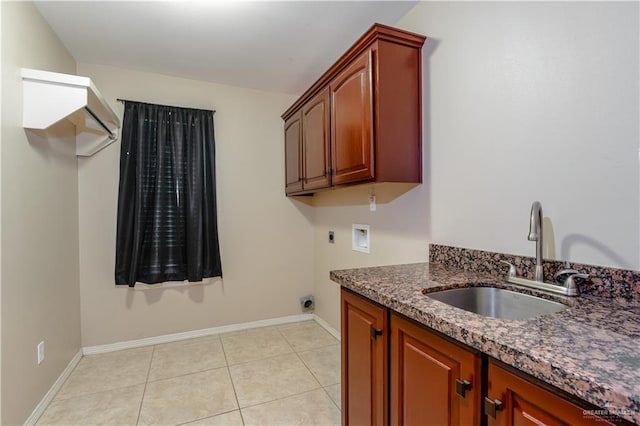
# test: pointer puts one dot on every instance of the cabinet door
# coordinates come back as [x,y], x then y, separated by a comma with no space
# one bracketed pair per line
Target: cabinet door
[293,154]
[352,122]
[512,400]
[433,381]
[315,142]
[364,361]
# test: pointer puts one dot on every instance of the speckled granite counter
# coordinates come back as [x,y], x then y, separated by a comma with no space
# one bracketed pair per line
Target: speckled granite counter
[591,350]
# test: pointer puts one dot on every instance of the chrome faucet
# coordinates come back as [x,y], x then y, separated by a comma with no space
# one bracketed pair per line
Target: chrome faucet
[566,277]
[535,234]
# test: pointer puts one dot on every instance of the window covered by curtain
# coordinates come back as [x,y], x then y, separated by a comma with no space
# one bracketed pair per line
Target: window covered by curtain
[167,224]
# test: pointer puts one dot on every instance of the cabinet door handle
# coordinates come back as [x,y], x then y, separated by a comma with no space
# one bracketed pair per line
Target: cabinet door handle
[375,332]
[462,386]
[491,407]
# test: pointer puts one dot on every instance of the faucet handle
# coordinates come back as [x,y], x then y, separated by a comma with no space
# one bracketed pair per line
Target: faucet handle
[512,268]
[561,276]
[570,284]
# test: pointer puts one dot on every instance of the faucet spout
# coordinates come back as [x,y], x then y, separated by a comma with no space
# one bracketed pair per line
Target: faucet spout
[535,234]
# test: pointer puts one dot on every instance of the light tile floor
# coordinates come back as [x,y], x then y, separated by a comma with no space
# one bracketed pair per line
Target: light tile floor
[281,375]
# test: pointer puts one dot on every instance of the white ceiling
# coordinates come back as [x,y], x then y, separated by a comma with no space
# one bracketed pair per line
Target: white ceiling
[281,46]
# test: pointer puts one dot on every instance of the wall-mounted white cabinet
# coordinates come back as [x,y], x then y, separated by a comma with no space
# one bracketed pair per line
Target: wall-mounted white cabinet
[50,97]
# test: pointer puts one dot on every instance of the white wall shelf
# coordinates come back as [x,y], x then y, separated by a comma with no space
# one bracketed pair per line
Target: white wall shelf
[50,97]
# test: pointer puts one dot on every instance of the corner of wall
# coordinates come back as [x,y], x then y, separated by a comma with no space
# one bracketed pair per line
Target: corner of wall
[39,228]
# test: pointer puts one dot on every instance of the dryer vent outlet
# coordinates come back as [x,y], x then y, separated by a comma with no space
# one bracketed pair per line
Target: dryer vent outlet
[307,303]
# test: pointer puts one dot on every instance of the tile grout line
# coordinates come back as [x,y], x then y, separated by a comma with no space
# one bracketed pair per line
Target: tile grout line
[260,359]
[233,386]
[284,397]
[263,358]
[293,351]
[286,340]
[144,391]
[288,396]
[292,325]
[305,364]
[190,372]
[324,388]
[317,347]
[309,369]
[308,350]
[208,417]
[86,393]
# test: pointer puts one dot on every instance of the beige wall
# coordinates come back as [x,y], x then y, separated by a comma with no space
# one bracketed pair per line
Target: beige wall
[398,230]
[39,196]
[266,240]
[1,102]
[522,101]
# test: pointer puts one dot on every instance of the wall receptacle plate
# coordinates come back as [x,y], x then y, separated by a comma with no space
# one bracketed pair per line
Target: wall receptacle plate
[361,238]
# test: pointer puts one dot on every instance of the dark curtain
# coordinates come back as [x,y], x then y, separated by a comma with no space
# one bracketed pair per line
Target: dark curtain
[167,224]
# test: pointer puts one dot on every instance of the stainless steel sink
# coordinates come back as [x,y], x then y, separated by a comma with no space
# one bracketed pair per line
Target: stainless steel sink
[497,302]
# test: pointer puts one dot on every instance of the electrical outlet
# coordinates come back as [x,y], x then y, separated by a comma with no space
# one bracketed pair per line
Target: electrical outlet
[40,352]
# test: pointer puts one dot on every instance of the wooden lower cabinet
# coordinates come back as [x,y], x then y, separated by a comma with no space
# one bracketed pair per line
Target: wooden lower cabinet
[433,381]
[398,372]
[513,400]
[365,334]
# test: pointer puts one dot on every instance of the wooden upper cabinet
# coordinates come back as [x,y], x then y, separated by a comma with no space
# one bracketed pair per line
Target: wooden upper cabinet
[371,100]
[512,400]
[352,122]
[315,142]
[293,154]
[433,381]
[365,337]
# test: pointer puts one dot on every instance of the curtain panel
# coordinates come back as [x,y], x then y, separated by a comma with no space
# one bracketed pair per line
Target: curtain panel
[167,221]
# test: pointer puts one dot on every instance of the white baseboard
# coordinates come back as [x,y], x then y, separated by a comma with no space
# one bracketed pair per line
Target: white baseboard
[90,350]
[44,403]
[335,333]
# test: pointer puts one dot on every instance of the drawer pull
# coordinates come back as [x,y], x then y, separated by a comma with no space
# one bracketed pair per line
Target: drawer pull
[491,407]
[462,386]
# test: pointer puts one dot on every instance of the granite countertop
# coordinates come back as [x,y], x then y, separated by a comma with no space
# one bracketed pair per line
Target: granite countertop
[590,350]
